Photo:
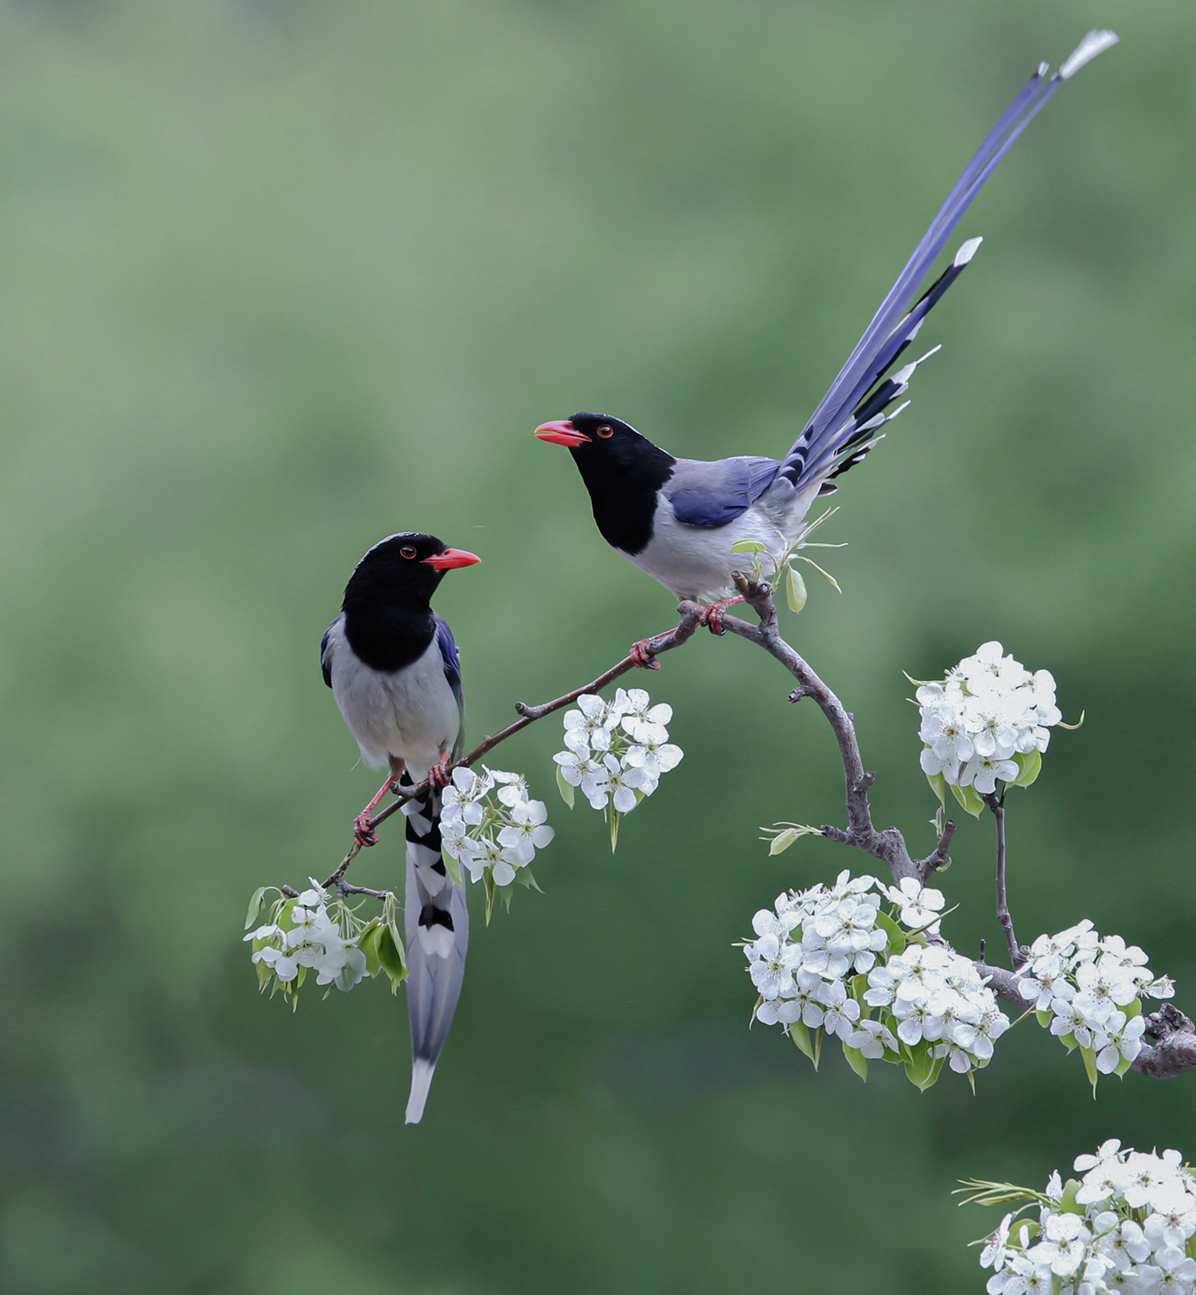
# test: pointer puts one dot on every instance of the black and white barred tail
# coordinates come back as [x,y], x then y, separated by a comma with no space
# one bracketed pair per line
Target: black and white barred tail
[437,933]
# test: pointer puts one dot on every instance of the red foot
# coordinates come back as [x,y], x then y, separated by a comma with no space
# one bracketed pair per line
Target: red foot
[712,614]
[363,834]
[642,655]
[438,774]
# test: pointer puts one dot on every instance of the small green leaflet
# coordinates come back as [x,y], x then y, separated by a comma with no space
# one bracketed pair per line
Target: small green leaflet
[563,787]
[254,904]
[795,590]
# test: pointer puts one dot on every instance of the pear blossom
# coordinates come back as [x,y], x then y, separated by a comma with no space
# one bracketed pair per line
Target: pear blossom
[987,712]
[1133,1218]
[823,958]
[616,752]
[490,826]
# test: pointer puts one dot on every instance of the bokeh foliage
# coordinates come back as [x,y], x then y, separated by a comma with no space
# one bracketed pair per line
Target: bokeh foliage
[280,278]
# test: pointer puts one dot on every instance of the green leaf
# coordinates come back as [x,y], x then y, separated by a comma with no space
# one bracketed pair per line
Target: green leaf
[1123,1064]
[782,841]
[452,866]
[858,985]
[969,799]
[1045,1019]
[1030,766]
[254,904]
[748,546]
[614,828]
[922,1068]
[1132,1009]
[826,575]
[1068,1204]
[566,790]
[817,1046]
[1089,1055]
[367,942]
[857,1061]
[391,957]
[894,932]
[491,888]
[938,785]
[795,590]
[800,1035]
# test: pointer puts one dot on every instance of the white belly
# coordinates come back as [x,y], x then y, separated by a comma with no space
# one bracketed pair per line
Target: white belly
[698,562]
[410,715]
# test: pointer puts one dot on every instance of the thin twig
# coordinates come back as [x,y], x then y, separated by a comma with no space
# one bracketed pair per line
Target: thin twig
[997,805]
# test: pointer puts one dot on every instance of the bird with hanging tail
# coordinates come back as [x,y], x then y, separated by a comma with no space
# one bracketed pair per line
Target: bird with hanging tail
[395,672]
[680,519]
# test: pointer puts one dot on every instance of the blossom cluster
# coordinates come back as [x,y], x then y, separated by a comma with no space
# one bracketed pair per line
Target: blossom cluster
[988,721]
[313,932]
[616,751]
[1125,1225]
[1087,990]
[832,961]
[490,824]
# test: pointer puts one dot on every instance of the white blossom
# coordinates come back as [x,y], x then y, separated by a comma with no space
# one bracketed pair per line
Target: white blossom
[1105,1247]
[987,710]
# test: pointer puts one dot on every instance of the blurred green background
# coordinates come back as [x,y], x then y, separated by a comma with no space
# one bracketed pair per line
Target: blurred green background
[279,278]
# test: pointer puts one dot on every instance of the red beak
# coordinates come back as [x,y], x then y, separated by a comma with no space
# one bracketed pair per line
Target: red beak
[452,558]
[562,432]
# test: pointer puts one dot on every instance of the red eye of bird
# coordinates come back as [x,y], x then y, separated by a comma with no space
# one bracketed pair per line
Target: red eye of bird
[408,550]
[605,430]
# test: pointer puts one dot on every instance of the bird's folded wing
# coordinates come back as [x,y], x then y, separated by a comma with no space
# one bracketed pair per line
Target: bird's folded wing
[713,494]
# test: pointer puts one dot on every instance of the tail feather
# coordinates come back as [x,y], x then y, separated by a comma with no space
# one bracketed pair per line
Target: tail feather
[437,931]
[845,415]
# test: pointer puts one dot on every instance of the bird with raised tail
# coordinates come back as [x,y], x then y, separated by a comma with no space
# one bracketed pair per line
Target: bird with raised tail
[395,672]
[679,519]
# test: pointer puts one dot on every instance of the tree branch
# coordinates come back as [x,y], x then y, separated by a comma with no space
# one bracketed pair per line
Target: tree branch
[888,844]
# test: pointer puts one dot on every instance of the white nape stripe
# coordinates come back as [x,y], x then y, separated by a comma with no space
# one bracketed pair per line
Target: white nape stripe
[1096,42]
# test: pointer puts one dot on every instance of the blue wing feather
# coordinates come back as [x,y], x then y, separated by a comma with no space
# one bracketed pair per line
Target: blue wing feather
[452,658]
[713,494]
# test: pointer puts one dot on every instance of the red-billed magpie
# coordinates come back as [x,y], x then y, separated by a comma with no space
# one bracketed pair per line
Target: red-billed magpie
[679,518]
[395,672]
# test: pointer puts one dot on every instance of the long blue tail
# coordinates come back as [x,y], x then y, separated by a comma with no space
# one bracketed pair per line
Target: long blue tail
[849,417]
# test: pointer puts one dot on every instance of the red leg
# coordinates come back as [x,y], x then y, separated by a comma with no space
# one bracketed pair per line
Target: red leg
[363,834]
[712,614]
[642,655]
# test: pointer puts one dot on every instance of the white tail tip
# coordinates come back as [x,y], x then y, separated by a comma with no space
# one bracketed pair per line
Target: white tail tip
[967,251]
[1096,42]
[421,1080]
